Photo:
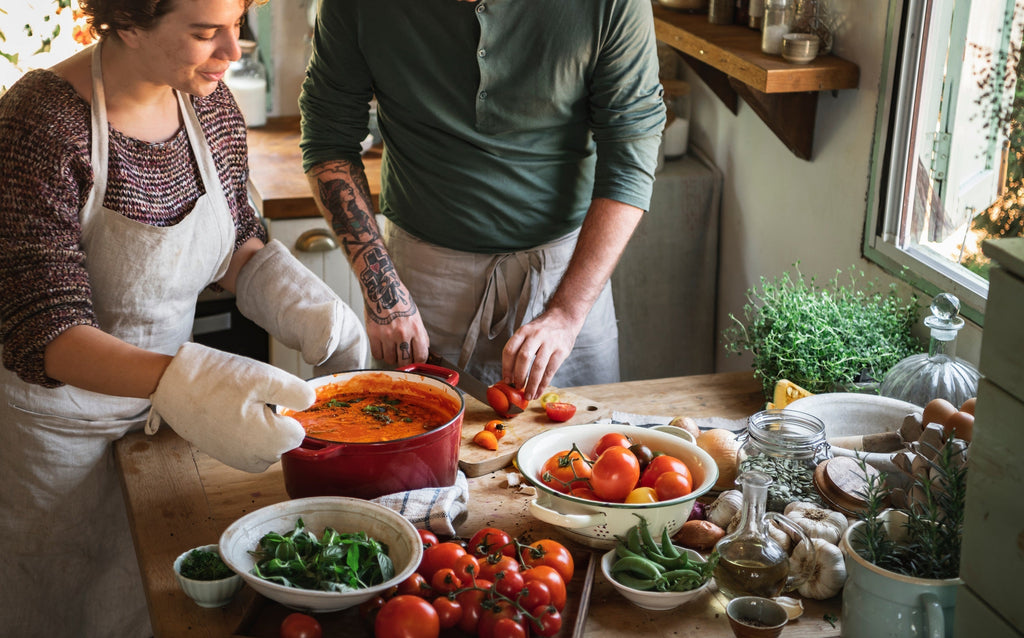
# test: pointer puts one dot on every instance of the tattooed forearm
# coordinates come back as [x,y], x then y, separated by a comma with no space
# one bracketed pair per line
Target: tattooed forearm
[383,291]
[345,194]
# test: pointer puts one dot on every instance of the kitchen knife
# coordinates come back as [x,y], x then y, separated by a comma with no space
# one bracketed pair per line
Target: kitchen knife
[468,383]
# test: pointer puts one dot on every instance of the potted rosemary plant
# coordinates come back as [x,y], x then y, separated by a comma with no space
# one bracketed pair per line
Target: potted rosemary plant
[823,338]
[903,564]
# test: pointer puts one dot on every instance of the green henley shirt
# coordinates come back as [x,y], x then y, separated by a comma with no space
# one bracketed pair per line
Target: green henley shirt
[501,119]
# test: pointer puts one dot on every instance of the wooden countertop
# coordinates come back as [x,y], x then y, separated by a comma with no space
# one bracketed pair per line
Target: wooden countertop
[276,181]
[178,498]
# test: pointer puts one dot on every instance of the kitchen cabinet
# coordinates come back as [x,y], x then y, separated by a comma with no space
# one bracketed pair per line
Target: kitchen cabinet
[729,60]
[991,560]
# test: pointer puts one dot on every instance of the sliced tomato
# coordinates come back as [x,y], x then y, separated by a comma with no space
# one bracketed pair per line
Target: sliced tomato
[506,400]
[559,411]
[486,439]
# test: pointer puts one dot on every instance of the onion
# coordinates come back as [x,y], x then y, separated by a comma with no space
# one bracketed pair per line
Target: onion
[722,445]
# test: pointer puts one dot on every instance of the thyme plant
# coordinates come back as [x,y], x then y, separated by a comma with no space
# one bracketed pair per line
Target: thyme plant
[822,338]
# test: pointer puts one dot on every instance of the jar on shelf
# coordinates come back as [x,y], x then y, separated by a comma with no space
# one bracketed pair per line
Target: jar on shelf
[787,445]
[939,374]
[721,11]
[755,14]
[778,21]
[247,79]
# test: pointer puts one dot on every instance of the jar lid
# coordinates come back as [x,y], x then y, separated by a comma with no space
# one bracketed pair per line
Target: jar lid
[841,482]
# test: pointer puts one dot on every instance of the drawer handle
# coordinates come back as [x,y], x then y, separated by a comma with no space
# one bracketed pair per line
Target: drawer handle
[316,240]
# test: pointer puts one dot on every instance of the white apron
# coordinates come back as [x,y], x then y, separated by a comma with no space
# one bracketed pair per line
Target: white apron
[68,567]
[471,303]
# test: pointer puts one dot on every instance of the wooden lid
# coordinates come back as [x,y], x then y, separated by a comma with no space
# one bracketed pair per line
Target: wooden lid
[841,483]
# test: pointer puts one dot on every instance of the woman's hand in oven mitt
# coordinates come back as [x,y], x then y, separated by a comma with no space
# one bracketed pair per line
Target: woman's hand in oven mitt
[218,402]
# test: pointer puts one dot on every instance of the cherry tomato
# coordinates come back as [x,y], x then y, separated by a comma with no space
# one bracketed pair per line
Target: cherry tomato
[614,474]
[486,439]
[548,620]
[449,612]
[445,581]
[368,610]
[642,454]
[584,492]
[491,614]
[428,538]
[670,485]
[550,553]
[414,585]
[495,564]
[508,628]
[407,617]
[611,440]
[439,556]
[497,426]
[535,594]
[489,540]
[642,495]
[300,626]
[471,601]
[565,471]
[660,465]
[549,577]
[509,583]
[501,396]
[559,411]
[467,568]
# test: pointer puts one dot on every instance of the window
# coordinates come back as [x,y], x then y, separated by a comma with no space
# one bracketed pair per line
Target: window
[947,144]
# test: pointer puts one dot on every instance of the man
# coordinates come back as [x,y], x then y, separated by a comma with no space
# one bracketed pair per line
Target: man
[521,140]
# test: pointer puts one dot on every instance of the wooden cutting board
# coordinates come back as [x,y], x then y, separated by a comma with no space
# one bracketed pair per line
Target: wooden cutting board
[475,460]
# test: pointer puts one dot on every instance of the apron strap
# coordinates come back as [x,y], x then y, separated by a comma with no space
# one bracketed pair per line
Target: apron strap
[100,140]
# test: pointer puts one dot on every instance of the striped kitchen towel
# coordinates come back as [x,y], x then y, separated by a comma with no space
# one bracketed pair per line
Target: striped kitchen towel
[431,508]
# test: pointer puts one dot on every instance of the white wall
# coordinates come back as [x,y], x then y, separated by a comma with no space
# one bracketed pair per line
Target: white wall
[778,209]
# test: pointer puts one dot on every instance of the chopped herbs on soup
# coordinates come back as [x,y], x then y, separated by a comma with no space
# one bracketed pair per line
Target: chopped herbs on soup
[334,562]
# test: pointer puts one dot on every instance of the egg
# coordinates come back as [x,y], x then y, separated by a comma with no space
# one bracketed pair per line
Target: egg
[959,425]
[937,411]
[968,405]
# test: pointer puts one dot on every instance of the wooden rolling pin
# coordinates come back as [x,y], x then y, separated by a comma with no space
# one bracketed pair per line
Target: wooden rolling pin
[880,442]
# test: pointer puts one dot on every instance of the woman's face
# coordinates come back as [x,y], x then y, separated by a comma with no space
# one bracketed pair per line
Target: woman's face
[191,47]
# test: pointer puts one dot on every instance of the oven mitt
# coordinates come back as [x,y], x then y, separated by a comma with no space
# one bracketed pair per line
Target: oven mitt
[218,402]
[298,309]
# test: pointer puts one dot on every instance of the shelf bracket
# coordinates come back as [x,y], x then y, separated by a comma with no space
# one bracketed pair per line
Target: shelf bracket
[789,115]
[717,81]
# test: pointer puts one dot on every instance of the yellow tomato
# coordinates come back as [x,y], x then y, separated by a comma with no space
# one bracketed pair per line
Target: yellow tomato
[642,495]
[548,397]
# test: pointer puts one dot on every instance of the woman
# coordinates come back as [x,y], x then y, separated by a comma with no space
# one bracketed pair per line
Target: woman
[122,196]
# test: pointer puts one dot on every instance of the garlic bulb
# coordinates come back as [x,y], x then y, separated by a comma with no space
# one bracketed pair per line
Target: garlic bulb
[776,533]
[816,521]
[822,564]
[722,510]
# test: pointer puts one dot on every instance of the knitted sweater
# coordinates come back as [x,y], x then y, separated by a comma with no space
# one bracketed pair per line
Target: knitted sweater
[45,179]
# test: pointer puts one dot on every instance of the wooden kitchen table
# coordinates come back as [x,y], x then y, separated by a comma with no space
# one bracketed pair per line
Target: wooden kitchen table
[178,498]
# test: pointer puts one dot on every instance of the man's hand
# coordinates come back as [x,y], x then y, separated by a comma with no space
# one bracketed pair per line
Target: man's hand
[533,355]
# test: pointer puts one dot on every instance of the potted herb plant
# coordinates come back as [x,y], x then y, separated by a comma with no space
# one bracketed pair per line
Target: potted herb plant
[903,564]
[823,338]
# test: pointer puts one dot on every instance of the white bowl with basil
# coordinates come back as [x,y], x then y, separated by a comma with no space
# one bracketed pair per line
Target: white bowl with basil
[339,525]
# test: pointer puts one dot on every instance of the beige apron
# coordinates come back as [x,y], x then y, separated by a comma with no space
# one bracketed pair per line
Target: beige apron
[68,567]
[471,304]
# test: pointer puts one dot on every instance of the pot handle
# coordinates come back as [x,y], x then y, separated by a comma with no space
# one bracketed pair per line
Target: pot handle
[316,450]
[445,374]
[675,430]
[571,521]
[934,620]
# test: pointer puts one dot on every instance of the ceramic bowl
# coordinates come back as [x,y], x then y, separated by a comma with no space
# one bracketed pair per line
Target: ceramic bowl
[207,593]
[345,515]
[800,48]
[656,600]
[756,617]
[597,523]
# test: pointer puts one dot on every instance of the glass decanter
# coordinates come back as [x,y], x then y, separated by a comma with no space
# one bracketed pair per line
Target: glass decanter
[751,562]
[939,374]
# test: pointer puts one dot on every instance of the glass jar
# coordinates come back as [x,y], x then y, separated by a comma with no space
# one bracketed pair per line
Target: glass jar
[721,11]
[247,79]
[939,374]
[787,445]
[755,14]
[778,21]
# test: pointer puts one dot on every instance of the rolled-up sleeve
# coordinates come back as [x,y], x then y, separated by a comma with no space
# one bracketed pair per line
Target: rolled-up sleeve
[627,109]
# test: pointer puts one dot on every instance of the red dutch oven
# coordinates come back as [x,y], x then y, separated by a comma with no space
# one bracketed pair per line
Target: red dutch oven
[368,470]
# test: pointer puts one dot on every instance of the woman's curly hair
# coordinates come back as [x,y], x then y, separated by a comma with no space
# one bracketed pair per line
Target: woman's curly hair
[109,16]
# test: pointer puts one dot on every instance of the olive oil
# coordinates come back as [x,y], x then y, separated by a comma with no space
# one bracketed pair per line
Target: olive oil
[752,569]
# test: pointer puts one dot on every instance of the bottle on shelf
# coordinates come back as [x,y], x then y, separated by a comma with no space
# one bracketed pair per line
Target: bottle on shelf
[247,79]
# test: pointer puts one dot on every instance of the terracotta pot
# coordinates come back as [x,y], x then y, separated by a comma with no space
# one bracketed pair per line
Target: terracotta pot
[369,470]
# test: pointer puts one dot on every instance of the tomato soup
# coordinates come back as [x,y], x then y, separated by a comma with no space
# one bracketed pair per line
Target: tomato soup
[373,407]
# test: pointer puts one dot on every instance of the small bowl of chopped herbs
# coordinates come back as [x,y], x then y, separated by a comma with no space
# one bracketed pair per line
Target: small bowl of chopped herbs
[205,577]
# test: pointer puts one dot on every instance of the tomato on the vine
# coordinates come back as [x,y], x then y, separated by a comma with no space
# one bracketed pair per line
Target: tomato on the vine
[670,485]
[445,581]
[439,556]
[614,474]
[611,440]
[467,568]
[414,585]
[548,620]
[471,601]
[565,471]
[495,564]
[508,628]
[535,593]
[584,492]
[506,400]
[550,553]
[661,464]
[549,577]
[368,610]
[489,540]
[300,626]
[427,537]
[509,583]
[491,614]
[559,411]
[407,617]
[449,612]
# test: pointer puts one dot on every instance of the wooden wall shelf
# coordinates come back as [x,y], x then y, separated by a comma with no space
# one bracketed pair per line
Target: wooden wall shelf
[729,59]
